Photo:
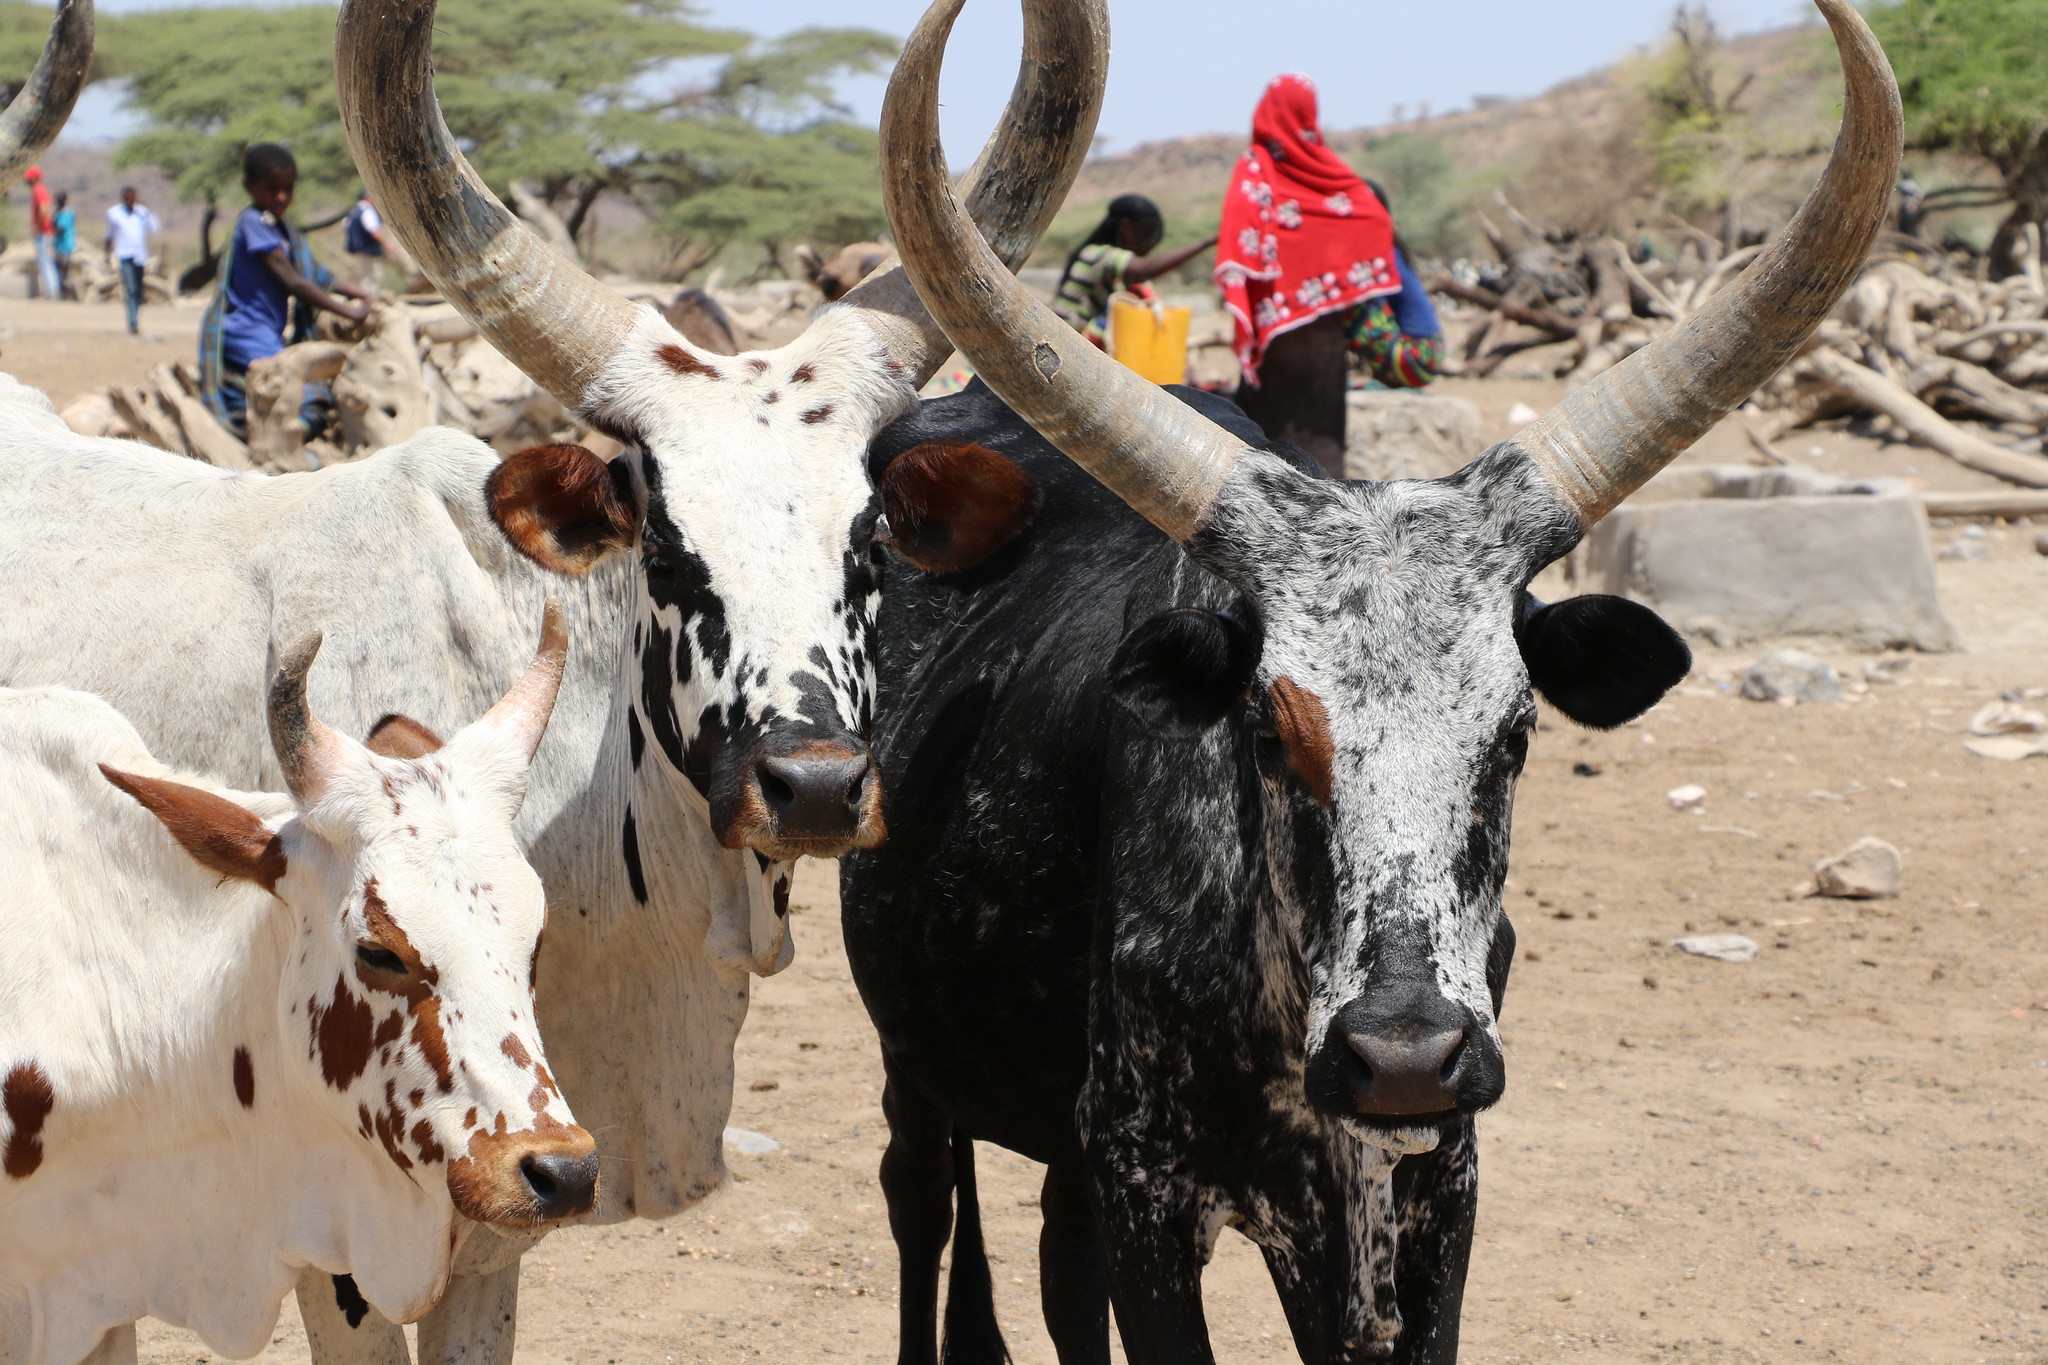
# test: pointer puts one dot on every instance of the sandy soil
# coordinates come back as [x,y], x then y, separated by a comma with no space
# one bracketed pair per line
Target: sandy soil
[65,349]
[1831,1153]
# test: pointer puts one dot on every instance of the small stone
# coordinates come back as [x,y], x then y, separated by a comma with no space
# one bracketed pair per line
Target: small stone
[2041,543]
[1869,869]
[747,1142]
[1791,676]
[2007,718]
[1720,947]
[1521,414]
[1586,769]
[1686,797]
[1966,551]
[1886,669]
[1973,532]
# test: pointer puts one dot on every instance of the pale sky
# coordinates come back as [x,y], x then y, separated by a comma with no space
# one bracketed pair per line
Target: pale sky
[1197,66]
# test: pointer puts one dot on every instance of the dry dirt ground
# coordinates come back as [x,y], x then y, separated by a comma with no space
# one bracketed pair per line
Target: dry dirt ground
[1832,1153]
[66,348]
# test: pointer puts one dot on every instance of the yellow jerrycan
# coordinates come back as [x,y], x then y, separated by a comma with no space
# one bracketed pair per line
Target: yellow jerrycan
[1150,338]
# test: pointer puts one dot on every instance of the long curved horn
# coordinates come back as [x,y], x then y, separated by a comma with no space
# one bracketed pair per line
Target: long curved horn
[1022,176]
[1154,452]
[557,324]
[1607,439]
[521,715]
[309,752]
[43,104]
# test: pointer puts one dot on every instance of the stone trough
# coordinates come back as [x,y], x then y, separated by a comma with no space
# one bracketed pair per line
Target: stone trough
[1732,554]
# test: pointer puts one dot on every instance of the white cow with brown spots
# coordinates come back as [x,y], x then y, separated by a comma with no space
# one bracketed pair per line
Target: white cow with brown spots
[243,1034]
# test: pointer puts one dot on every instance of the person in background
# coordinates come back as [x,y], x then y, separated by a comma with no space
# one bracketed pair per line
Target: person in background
[1307,249]
[44,233]
[1117,258]
[130,225]
[1397,337]
[269,294]
[364,239]
[65,225]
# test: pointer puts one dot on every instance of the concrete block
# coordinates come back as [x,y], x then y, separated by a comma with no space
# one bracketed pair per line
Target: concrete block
[1732,554]
[1403,434]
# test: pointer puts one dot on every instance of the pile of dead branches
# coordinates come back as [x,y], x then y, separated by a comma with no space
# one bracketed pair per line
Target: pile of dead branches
[416,363]
[1924,346]
[1934,354]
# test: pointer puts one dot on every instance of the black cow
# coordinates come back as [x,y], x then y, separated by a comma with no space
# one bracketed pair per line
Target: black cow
[1199,833]
[1089,937]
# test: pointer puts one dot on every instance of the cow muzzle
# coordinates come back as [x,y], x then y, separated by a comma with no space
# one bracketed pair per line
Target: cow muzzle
[542,1175]
[1405,1057]
[816,798]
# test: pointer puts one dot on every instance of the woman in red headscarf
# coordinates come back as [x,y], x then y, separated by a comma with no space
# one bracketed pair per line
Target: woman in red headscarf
[1312,271]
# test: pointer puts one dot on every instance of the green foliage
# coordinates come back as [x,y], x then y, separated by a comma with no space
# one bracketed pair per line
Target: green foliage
[1420,179]
[1973,73]
[1696,142]
[576,97]
[24,28]
[212,81]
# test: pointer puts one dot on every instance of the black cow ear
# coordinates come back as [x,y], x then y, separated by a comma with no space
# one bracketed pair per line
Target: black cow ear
[1181,671]
[951,505]
[1601,660]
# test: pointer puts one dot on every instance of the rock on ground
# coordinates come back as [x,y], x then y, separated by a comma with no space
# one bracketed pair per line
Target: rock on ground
[1791,674]
[1401,434]
[1869,869]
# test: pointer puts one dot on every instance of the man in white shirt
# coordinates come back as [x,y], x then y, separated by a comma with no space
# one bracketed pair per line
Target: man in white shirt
[130,225]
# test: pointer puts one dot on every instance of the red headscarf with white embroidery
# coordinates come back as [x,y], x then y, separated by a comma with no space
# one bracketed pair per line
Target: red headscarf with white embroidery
[1302,234]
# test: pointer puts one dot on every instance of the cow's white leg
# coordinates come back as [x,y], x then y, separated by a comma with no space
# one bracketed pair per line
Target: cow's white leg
[326,1311]
[475,1322]
[117,1347]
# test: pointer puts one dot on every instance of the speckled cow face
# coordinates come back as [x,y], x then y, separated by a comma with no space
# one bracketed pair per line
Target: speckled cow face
[416,930]
[1387,657]
[412,985]
[744,489]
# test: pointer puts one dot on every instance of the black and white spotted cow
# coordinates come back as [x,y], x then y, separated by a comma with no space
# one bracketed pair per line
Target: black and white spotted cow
[718,580]
[1202,788]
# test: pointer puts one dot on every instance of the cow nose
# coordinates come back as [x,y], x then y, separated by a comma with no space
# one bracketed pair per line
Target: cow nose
[1407,1068]
[1408,1053]
[813,796]
[562,1186]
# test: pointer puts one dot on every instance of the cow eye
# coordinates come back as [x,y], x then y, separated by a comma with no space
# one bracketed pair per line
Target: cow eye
[380,959]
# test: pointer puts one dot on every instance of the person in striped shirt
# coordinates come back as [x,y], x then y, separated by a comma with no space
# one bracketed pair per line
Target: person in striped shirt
[1117,258]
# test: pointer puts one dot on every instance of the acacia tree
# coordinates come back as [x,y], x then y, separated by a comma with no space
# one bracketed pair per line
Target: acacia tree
[1974,76]
[573,97]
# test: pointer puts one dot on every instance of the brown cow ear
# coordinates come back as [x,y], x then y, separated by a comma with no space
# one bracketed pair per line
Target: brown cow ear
[398,736]
[220,835]
[951,506]
[562,507]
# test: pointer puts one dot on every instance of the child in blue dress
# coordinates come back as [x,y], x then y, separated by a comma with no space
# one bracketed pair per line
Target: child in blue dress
[270,291]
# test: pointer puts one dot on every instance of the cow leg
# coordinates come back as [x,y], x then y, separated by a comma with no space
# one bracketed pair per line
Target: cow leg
[475,1320]
[117,1347]
[1436,1200]
[1073,1280]
[341,1329]
[1154,1259]
[917,1181]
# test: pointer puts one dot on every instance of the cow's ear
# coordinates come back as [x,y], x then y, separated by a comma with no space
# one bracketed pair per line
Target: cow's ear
[1183,670]
[1601,660]
[397,736]
[562,507]
[220,835]
[950,505]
